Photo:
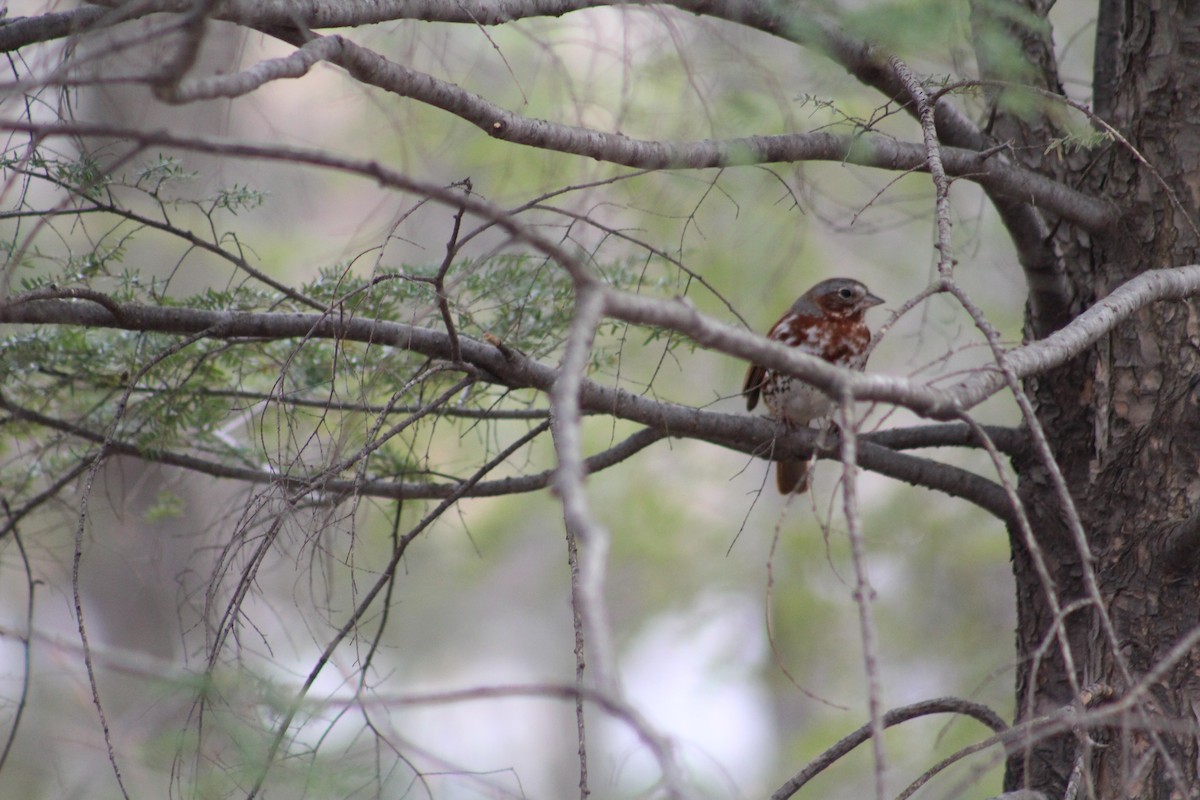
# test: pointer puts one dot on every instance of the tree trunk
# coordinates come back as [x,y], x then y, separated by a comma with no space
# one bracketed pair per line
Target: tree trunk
[1124,426]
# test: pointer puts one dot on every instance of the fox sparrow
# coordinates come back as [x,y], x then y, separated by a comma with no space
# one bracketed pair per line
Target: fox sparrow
[826,321]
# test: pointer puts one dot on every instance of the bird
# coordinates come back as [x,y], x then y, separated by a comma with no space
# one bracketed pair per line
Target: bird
[827,321]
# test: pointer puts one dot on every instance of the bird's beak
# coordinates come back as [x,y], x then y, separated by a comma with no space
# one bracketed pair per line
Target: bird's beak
[872,300]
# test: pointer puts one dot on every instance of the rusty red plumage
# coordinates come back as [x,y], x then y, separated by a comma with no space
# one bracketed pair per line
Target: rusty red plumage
[828,321]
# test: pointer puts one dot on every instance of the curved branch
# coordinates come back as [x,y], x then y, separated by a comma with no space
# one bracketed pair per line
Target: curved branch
[875,457]
[1050,294]
[941,705]
[369,67]
[867,150]
[1175,283]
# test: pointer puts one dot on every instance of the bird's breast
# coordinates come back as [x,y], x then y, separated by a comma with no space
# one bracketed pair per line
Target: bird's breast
[795,402]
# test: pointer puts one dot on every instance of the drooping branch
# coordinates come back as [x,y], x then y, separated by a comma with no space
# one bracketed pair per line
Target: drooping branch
[367,600]
[941,705]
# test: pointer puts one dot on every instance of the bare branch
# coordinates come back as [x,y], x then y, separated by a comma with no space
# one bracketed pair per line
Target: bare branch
[295,65]
[862,149]
[870,150]
[514,370]
[368,598]
[864,593]
[933,154]
[1035,358]
[1031,359]
[942,705]
[18,32]
[334,488]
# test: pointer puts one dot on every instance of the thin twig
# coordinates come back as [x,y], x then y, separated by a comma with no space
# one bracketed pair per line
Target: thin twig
[380,584]
[26,640]
[941,705]
[81,527]
[864,593]
[869,151]
[933,151]
[439,280]
[587,541]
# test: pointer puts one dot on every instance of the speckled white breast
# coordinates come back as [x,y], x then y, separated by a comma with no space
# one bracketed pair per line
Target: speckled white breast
[795,402]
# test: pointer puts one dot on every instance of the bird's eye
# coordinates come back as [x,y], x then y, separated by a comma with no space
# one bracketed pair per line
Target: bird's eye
[846,294]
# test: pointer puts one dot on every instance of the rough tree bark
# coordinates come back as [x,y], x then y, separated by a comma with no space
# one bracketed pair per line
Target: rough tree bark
[1123,424]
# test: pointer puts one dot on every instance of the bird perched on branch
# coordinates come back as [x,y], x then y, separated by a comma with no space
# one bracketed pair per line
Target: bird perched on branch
[827,321]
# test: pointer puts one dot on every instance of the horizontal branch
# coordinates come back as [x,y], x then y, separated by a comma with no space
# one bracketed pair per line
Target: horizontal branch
[336,487]
[1035,358]
[869,150]
[514,370]
[18,32]
[747,434]
[752,435]
[916,471]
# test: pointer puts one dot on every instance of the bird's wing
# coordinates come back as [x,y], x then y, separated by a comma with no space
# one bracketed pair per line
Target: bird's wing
[753,385]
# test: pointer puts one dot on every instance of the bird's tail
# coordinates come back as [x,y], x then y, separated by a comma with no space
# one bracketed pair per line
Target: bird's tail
[791,476]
